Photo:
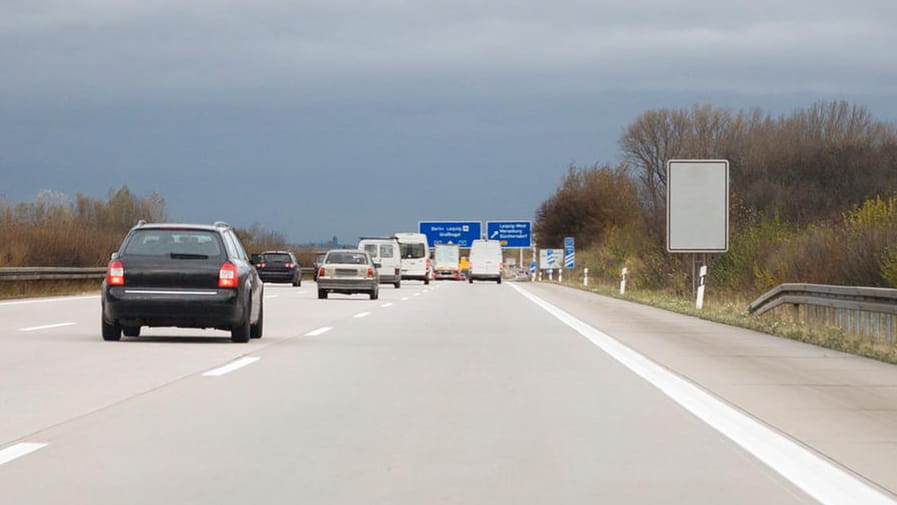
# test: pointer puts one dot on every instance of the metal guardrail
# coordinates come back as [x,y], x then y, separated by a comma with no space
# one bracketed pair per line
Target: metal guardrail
[65,273]
[50,273]
[869,312]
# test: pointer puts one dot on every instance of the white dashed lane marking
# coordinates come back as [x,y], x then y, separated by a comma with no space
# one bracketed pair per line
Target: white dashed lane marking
[230,367]
[47,327]
[319,331]
[19,450]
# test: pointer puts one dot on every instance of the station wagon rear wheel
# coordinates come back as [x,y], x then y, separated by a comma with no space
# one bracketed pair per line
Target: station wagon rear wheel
[241,332]
[112,331]
[255,330]
[322,294]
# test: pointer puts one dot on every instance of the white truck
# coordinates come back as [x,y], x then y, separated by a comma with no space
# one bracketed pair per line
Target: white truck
[415,253]
[447,260]
[485,261]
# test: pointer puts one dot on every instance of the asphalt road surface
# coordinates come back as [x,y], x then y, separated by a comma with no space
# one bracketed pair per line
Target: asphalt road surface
[448,393]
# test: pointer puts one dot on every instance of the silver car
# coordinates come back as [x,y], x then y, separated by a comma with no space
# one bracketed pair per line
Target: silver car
[348,271]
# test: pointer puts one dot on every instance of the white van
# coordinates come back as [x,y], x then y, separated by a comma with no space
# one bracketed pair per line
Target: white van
[485,260]
[415,256]
[386,252]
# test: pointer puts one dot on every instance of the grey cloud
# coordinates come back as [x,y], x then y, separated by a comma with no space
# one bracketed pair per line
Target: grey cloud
[171,49]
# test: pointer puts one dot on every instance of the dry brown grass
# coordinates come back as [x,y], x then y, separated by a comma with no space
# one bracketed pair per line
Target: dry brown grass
[31,289]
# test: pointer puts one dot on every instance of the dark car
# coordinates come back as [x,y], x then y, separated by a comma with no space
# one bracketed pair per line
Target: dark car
[278,266]
[183,275]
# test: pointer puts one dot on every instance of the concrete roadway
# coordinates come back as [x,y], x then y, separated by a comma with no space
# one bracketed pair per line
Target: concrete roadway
[448,393]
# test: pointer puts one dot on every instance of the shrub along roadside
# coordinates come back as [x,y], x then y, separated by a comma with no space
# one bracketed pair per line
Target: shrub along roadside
[38,288]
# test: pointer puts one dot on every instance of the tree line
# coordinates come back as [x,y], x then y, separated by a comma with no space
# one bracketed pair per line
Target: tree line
[54,230]
[812,192]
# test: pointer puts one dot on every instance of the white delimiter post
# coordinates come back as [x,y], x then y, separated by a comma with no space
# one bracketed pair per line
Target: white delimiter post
[585,279]
[561,275]
[700,302]
[623,280]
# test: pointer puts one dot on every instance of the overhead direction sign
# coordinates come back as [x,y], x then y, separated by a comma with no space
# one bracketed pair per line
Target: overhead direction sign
[697,206]
[510,233]
[462,233]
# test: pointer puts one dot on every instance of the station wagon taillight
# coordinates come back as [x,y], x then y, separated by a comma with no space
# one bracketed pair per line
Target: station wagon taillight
[115,276]
[288,265]
[322,272]
[370,272]
[227,276]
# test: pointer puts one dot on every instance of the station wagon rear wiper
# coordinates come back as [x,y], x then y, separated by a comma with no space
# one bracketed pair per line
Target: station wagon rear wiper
[188,256]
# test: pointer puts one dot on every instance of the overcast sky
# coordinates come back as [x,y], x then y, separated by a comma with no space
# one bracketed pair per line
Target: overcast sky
[322,118]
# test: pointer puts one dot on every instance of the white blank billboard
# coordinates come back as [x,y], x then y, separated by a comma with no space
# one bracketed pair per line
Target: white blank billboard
[697,206]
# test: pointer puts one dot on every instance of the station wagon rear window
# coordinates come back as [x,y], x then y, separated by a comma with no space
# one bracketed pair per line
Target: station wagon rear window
[174,243]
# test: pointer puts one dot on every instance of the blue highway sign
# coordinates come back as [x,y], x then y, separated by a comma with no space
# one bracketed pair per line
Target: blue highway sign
[510,233]
[569,253]
[462,233]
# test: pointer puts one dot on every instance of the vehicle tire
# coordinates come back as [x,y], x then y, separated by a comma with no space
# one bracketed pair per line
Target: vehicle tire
[131,331]
[255,330]
[498,280]
[322,294]
[470,280]
[297,281]
[111,331]
[426,281]
[240,333]
[398,284]
[375,294]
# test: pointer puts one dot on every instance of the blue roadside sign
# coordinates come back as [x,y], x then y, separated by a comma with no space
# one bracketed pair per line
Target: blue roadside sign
[569,253]
[462,233]
[510,233]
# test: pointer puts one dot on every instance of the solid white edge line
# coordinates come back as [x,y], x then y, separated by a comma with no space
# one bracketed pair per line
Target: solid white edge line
[19,450]
[361,314]
[230,367]
[819,478]
[47,327]
[319,331]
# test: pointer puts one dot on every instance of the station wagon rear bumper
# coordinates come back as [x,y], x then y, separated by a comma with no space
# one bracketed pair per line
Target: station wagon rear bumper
[185,308]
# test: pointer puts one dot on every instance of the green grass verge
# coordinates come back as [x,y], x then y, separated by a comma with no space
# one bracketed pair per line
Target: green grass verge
[732,310]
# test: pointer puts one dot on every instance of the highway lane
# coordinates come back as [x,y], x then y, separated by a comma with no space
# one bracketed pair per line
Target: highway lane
[454,393]
[52,370]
